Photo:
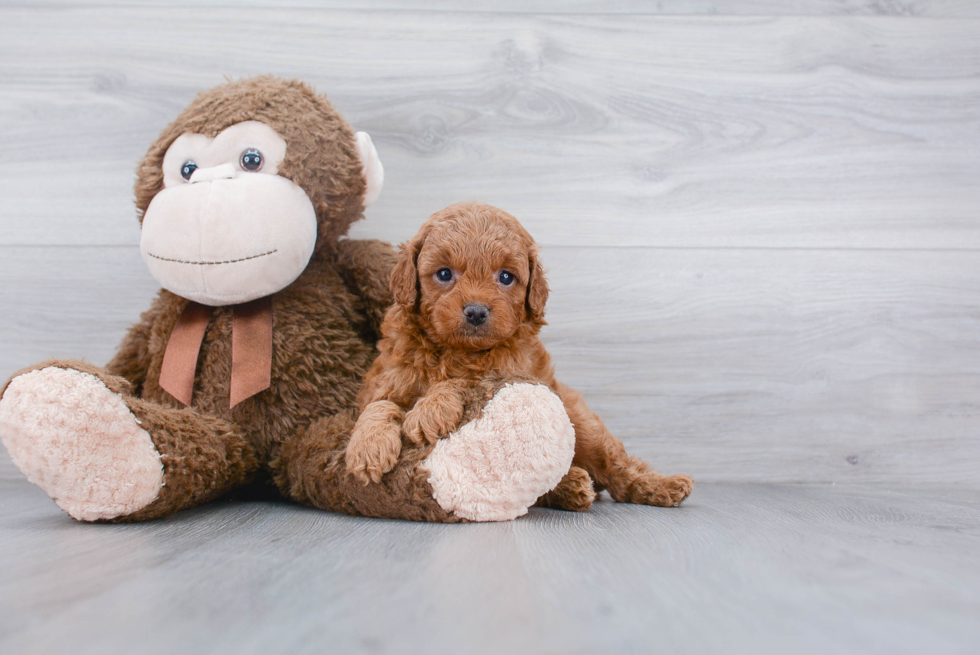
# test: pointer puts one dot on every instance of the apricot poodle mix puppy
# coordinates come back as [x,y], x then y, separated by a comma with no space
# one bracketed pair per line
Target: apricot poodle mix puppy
[469,303]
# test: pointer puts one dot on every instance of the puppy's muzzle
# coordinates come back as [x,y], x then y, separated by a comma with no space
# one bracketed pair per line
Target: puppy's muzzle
[476,313]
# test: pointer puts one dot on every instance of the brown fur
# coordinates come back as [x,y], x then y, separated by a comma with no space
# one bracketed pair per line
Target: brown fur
[575,492]
[326,323]
[316,474]
[312,468]
[203,457]
[429,353]
[320,154]
[379,429]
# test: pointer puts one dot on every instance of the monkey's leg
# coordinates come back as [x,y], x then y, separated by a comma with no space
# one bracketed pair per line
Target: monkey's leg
[511,450]
[310,469]
[628,479]
[103,455]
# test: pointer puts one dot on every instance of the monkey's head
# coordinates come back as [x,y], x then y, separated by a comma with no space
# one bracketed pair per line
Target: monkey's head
[245,185]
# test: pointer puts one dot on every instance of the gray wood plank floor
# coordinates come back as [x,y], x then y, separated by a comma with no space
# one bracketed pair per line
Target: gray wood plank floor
[907,8]
[761,224]
[738,569]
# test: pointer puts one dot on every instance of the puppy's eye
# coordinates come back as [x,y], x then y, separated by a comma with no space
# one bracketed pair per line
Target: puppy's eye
[444,275]
[506,278]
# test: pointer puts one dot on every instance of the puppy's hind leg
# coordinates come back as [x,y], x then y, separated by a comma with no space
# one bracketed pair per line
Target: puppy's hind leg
[574,493]
[628,479]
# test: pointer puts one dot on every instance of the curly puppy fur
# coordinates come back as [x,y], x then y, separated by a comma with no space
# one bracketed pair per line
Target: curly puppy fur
[470,295]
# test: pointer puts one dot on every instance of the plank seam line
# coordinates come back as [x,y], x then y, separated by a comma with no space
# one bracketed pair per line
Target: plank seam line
[423,10]
[550,246]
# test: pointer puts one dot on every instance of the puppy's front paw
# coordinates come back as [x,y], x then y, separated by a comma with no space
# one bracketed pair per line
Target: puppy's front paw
[433,418]
[660,490]
[373,450]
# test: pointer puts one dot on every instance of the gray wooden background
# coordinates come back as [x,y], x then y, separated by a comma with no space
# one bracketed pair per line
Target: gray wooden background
[761,218]
[762,224]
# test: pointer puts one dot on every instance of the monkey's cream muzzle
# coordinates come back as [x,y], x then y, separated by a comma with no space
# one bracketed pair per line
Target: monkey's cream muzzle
[226,235]
[230,239]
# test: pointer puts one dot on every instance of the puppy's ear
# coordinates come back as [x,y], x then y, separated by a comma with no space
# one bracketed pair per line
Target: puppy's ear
[405,274]
[537,288]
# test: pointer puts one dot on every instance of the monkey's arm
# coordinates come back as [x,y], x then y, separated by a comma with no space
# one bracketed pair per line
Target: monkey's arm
[132,357]
[365,266]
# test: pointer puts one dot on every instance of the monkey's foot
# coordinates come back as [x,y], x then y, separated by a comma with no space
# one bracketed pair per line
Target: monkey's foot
[78,441]
[496,466]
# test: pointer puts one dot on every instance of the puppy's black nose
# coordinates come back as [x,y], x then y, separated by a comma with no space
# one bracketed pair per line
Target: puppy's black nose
[476,314]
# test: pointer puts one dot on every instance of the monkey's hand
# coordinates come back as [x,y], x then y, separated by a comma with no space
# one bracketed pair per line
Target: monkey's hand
[376,442]
[435,415]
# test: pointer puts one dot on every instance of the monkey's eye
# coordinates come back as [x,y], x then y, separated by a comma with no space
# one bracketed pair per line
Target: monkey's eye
[251,160]
[506,278]
[444,275]
[187,170]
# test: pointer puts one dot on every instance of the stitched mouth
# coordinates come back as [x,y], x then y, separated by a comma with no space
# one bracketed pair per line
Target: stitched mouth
[227,261]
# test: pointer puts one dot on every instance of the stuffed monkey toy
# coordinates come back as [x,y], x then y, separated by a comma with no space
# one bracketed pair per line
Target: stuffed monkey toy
[248,362]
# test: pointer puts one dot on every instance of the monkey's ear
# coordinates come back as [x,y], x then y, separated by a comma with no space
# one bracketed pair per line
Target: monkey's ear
[537,288]
[374,172]
[405,274]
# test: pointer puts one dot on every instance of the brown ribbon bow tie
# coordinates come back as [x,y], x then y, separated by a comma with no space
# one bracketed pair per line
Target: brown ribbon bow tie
[251,350]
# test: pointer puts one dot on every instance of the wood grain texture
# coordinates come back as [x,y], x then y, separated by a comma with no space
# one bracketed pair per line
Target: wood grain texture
[762,232]
[762,235]
[907,8]
[608,130]
[738,569]
[750,365]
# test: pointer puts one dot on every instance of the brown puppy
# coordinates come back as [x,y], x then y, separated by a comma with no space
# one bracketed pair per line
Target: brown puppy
[469,303]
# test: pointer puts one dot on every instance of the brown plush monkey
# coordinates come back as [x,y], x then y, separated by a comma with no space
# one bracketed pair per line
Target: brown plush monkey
[249,360]
[242,200]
